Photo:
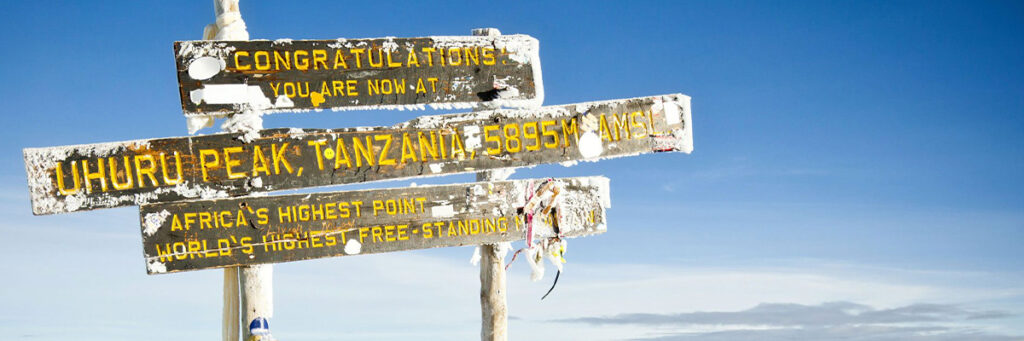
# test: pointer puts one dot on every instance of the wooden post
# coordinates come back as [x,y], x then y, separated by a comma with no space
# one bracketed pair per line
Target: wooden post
[493,305]
[248,287]
[229,331]
[492,294]
[493,300]
[257,288]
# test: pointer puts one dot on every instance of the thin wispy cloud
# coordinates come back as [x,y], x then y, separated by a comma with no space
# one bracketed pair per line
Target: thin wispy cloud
[826,321]
[789,314]
[846,333]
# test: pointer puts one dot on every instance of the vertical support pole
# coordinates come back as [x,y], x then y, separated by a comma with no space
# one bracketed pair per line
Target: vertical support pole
[257,287]
[493,300]
[229,331]
[248,287]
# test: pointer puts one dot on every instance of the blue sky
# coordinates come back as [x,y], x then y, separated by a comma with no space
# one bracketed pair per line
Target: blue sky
[853,160]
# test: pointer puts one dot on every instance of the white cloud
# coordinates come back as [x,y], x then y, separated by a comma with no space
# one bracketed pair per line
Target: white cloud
[387,296]
[826,321]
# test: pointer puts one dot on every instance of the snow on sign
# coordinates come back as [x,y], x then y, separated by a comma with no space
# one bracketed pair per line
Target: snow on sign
[84,177]
[221,77]
[192,235]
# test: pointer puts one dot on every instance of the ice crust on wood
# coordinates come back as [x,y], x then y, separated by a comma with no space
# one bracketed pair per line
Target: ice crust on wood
[39,162]
[522,48]
[578,212]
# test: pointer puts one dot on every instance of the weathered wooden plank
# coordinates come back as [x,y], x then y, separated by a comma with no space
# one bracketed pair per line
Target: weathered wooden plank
[191,235]
[221,77]
[83,177]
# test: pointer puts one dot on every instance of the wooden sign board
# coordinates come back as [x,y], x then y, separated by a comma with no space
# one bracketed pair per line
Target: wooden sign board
[222,77]
[192,235]
[84,177]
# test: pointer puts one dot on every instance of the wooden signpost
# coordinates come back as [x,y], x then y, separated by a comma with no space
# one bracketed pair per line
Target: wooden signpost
[193,191]
[83,177]
[219,77]
[201,234]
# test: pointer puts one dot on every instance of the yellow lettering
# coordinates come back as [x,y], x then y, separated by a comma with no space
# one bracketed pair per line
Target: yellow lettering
[319,58]
[472,55]
[338,87]
[238,63]
[420,89]
[495,139]
[433,83]
[149,171]
[355,53]
[570,128]
[279,159]
[380,57]
[301,60]
[429,51]
[318,156]
[412,59]
[286,61]
[511,131]
[115,174]
[550,133]
[74,176]
[454,52]
[393,64]
[339,59]
[175,223]
[621,124]
[177,165]
[341,155]
[350,86]
[100,174]
[534,134]
[639,129]
[228,162]
[408,152]
[384,160]
[265,65]
[605,132]
[488,55]
[207,165]
[259,161]
[427,145]
[366,150]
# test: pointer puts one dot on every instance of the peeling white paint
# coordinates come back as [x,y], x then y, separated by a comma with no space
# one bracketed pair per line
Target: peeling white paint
[444,211]
[671,111]
[155,267]
[352,247]
[686,134]
[203,68]
[283,101]
[153,221]
[195,191]
[435,167]
[472,139]
[75,201]
[230,94]
[590,145]
[502,173]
